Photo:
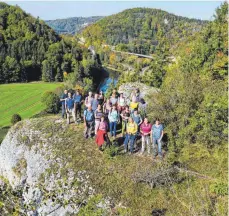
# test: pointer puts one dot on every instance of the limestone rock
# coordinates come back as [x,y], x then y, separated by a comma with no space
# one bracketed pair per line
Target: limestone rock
[145,90]
[27,161]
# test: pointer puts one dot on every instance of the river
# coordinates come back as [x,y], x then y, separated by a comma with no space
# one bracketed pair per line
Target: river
[110,78]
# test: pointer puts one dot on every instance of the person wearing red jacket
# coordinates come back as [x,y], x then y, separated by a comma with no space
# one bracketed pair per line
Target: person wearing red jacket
[102,132]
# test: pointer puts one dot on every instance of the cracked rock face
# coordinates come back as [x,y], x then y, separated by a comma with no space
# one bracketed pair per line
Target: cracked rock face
[15,150]
[128,88]
[26,160]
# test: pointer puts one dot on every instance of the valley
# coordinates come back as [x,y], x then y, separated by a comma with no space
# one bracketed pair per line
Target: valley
[180,65]
[73,25]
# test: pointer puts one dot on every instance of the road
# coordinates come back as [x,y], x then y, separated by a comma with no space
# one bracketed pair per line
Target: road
[82,41]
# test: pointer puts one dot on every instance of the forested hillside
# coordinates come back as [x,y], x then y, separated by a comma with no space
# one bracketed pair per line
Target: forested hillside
[31,50]
[193,105]
[138,30]
[193,89]
[71,25]
[191,102]
[193,97]
[24,42]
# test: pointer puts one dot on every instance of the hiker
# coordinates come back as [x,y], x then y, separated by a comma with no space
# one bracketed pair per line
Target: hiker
[98,114]
[145,130]
[101,98]
[121,103]
[131,130]
[133,104]
[62,100]
[115,92]
[88,122]
[132,95]
[137,118]
[69,107]
[107,107]
[88,100]
[157,133]
[125,115]
[102,132]
[77,103]
[113,100]
[113,119]
[95,102]
[135,94]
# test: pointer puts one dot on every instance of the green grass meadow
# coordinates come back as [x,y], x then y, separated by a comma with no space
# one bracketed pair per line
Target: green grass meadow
[23,99]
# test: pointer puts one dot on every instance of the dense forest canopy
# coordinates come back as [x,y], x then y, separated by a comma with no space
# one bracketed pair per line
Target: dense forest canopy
[193,98]
[71,25]
[23,45]
[192,101]
[31,50]
[138,30]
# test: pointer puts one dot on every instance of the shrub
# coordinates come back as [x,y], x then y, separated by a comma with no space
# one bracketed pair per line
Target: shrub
[220,188]
[79,88]
[40,114]
[15,118]
[87,84]
[59,90]
[111,152]
[51,102]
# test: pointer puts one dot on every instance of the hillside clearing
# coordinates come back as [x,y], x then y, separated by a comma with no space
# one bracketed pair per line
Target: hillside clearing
[24,99]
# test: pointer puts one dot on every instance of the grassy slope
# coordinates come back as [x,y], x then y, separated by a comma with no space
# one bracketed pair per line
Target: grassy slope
[24,99]
[114,176]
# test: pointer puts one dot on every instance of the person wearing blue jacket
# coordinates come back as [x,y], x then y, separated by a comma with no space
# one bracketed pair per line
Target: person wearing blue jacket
[77,97]
[69,107]
[156,137]
[113,117]
[95,103]
[137,118]
[89,120]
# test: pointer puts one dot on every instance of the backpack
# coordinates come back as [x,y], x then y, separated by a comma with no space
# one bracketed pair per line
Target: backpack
[91,117]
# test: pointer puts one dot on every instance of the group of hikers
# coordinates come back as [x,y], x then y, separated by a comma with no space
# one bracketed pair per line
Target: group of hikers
[102,115]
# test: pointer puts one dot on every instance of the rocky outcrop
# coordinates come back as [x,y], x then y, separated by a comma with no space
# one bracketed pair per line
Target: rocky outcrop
[128,88]
[29,161]
[48,168]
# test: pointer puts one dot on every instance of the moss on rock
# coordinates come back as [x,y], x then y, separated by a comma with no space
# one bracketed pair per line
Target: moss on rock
[74,171]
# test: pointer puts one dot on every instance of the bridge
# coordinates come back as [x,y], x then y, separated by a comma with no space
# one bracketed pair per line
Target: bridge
[135,54]
[128,53]
[92,49]
[172,58]
[81,40]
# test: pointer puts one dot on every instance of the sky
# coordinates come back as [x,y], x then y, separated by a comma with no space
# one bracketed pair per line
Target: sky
[48,10]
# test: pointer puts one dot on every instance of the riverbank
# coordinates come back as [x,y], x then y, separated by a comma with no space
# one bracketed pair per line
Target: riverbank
[110,78]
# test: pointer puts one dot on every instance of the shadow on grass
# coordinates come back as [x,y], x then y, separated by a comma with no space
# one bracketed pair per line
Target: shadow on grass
[159,212]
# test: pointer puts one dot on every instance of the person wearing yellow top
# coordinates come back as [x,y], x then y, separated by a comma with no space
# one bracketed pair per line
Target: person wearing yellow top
[133,104]
[131,130]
